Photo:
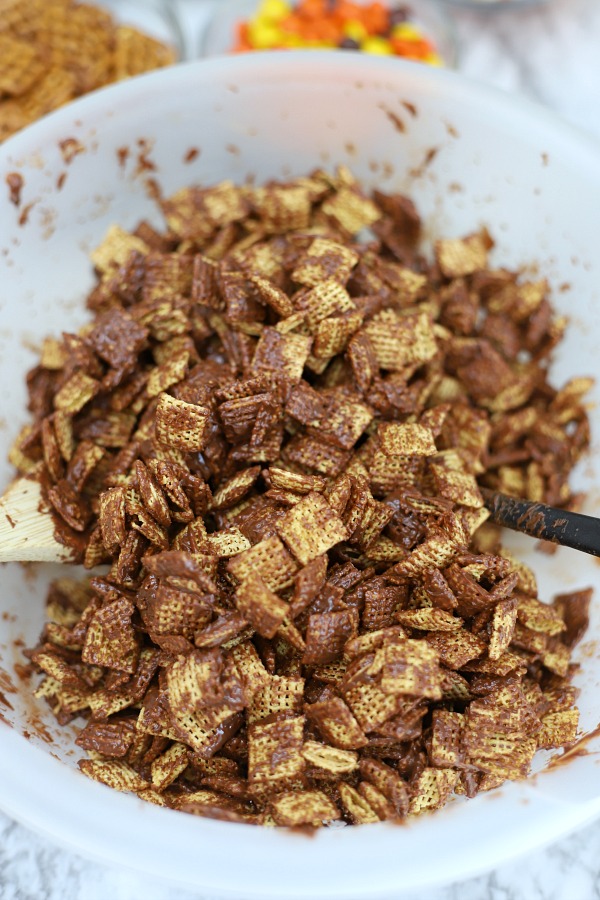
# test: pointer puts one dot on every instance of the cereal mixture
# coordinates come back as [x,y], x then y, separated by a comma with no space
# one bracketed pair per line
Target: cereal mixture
[52,51]
[274,436]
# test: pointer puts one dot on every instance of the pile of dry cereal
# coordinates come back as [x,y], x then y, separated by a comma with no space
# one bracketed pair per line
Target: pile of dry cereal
[52,51]
[274,434]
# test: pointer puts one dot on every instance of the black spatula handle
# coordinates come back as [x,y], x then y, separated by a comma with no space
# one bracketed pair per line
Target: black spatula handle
[544,522]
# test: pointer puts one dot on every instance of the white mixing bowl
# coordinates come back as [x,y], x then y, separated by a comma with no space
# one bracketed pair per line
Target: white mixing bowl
[498,161]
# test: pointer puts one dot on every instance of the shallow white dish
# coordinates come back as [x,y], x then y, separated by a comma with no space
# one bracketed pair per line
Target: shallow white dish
[220,34]
[534,182]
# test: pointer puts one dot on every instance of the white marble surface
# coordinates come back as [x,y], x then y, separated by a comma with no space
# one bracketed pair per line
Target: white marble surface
[550,54]
[32,868]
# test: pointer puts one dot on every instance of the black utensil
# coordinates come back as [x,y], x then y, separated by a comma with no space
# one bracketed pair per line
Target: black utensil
[544,522]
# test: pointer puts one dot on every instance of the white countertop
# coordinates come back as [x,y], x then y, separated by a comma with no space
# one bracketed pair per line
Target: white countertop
[550,54]
[33,868]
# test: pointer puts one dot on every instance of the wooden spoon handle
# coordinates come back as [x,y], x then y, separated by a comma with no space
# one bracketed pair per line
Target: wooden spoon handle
[544,522]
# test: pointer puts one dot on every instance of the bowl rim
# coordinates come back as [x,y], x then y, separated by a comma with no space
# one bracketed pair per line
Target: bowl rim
[86,807]
[75,813]
[568,134]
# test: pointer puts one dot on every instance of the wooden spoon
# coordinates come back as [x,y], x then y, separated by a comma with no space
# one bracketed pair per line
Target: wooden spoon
[27,530]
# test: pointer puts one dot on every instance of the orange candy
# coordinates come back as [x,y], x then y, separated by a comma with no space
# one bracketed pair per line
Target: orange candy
[376,18]
[312,9]
[411,49]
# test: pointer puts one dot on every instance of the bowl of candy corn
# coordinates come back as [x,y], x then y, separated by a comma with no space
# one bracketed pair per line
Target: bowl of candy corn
[418,30]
